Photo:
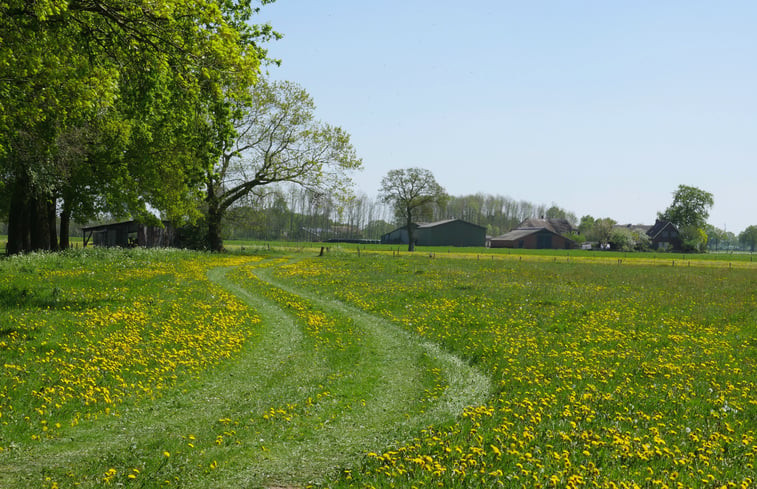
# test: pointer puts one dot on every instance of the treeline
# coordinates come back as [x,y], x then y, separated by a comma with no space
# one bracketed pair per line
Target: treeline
[294,213]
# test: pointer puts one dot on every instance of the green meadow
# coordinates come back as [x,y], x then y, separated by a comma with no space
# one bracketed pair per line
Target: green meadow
[371,367]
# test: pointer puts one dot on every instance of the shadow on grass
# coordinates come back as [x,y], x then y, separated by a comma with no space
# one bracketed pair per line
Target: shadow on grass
[36,298]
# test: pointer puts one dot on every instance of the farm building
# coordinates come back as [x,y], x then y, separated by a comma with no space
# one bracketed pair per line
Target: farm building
[532,238]
[664,236]
[537,234]
[129,234]
[450,232]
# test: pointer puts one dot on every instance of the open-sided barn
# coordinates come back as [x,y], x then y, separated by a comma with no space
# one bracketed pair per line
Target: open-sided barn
[450,232]
[129,234]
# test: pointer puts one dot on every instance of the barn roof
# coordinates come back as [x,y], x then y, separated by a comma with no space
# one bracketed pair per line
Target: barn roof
[521,233]
[557,226]
[426,225]
[518,234]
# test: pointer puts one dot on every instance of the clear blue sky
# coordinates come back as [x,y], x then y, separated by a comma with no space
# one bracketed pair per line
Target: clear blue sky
[602,107]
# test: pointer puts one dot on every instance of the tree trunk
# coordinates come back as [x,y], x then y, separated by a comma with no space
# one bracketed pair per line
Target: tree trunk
[65,223]
[51,218]
[410,234]
[39,224]
[18,221]
[214,240]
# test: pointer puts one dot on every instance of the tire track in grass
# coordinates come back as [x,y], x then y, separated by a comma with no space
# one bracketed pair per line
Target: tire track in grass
[379,399]
[392,361]
[466,385]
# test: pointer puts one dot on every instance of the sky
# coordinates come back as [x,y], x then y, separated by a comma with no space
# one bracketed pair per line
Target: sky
[600,107]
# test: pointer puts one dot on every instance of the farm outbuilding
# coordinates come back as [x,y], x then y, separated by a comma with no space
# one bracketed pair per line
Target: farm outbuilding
[450,232]
[556,225]
[532,238]
[537,234]
[130,234]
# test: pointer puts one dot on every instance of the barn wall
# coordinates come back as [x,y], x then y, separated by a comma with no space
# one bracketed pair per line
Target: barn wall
[454,233]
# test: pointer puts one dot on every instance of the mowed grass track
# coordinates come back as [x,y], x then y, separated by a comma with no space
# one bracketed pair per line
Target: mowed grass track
[309,386]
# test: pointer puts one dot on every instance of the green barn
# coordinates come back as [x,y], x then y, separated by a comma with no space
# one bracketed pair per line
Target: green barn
[450,232]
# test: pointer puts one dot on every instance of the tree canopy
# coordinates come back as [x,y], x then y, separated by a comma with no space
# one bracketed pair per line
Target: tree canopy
[277,140]
[408,191]
[748,238]
[107,105]
[689,212]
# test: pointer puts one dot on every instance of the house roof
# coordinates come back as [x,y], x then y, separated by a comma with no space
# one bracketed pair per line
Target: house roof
[557,226]
[658,227]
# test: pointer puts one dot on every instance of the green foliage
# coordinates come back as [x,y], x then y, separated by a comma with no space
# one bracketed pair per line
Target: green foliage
[748,238]
[555,212]
[690,207]
[108,105]
[277,140]
[689,212]
[601,230]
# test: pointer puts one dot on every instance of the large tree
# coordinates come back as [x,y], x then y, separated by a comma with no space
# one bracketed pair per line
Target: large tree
[109,102]
[689,212]
[748,238]
[408,191]
[277,140]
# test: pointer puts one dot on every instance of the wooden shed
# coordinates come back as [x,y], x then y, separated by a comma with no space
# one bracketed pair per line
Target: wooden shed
[130,234]
[450,232]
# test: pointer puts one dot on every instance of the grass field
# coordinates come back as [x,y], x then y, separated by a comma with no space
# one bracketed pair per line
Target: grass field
[147,368]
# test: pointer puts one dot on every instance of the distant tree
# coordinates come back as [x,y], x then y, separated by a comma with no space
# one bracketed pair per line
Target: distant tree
[278,140]
[602,230]
[586,226]
[376,229]
[715,237]
[556,212]
[730,240]
[621,239]
[409,191]
[624,239]
[689,212]
[748,238]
